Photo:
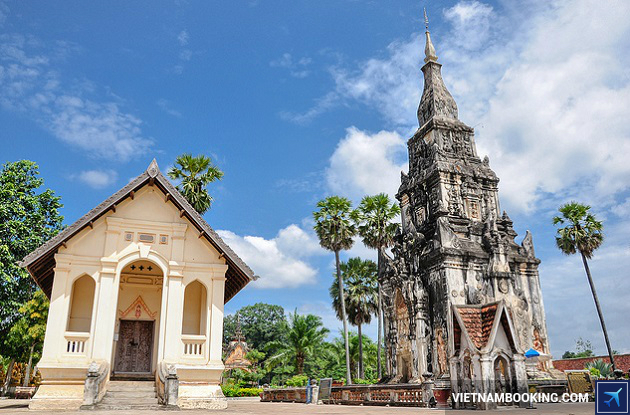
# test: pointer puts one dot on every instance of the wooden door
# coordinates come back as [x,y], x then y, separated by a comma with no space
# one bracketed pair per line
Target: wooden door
[135,346]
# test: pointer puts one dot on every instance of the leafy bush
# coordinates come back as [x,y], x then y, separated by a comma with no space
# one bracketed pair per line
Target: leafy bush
[297,381]
[364,381]
[232,391]
[594,372]
[605,369]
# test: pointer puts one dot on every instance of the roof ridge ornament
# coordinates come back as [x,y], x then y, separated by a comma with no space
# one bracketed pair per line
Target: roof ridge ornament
[429,49]
[153,168]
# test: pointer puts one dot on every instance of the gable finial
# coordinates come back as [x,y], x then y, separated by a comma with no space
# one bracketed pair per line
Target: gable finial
[153,168]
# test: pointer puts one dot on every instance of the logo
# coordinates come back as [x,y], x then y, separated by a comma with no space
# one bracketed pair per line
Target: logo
[611,397]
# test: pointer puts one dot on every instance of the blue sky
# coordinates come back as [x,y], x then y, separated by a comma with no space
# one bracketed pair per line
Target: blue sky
[296,100]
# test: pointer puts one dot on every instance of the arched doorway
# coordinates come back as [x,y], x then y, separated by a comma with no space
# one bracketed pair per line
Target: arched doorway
[502,375]
[138,316]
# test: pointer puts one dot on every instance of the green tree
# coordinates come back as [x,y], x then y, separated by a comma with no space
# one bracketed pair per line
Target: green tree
[334,228]
[29,217]
[26,337]
[579,231]
[305,338]
[195,173]
[260,324]
[334,366]
[583,348]
[375,222]
[361,292]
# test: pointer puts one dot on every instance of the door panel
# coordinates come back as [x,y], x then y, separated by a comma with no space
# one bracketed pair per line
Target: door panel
[135,346]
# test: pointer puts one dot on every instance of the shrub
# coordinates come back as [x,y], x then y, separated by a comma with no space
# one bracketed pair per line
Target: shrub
[364,381]
[297,381]
[605,369]
[232,391]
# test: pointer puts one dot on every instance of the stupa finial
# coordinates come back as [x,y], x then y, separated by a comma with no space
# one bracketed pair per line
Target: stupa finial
[429,49]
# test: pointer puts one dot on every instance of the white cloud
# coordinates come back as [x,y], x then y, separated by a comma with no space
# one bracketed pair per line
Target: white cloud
[183,38]
[367,164]
[97,179]
[322,105]
[391,85]
[471,23]
[280,262]
[297,67]
[547,91]
[33,85]
[165,106]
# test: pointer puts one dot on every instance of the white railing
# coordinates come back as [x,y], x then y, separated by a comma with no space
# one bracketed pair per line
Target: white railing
[194,346]
[76,342]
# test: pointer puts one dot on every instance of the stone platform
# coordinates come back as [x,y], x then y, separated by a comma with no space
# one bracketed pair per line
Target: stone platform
[249,407]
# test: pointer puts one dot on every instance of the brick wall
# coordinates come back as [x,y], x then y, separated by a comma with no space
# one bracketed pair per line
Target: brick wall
[622,361]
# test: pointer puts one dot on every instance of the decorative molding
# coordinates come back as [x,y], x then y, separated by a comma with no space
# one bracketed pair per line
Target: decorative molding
[137,306]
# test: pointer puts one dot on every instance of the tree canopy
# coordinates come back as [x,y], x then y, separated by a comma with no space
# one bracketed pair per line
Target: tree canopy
[305,337]
[333,224]
[195,173]
[260,324]
[29,216]
[579,230]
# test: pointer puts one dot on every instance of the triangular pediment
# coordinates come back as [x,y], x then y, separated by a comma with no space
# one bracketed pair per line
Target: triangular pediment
[40,263]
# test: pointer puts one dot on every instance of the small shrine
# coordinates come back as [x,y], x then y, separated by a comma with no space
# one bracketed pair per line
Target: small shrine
[237,351]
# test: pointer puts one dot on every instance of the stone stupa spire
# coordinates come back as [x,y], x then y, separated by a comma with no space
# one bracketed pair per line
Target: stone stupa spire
[436,101]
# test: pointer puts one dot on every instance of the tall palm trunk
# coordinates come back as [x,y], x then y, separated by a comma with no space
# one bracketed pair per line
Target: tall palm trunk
[299,362]
[344,317]
[361,370]
[379,319]
[599,310]
[27,375]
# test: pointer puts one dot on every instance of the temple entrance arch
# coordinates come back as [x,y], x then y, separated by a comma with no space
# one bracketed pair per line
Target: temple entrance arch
[138,316]
[502,375]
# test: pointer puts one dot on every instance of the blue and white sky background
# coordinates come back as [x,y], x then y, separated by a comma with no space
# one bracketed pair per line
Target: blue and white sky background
[297,100]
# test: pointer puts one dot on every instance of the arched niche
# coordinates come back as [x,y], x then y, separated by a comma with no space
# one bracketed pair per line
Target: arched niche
[81,304]
[195,309]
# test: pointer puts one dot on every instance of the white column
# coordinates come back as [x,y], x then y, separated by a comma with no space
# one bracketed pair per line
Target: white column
[216,320]
[105,312]
[174,315]
[54,340]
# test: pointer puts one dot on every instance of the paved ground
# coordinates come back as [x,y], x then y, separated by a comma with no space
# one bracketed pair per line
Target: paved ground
[250,407]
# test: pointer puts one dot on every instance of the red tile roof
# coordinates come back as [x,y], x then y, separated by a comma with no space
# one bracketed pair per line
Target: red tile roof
[478,322]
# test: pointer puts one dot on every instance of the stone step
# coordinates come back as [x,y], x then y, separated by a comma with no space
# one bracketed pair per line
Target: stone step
[131,389]
[130,394]
[118,407]
[129,383]
[128,401]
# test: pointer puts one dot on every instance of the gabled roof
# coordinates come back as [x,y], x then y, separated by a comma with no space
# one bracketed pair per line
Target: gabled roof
[41,262]
[480,324]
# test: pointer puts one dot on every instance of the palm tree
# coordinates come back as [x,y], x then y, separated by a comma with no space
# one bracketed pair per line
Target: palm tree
[374,218]
[582,232]
[196,173]
[335,230]
[305,338]
[361,292]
